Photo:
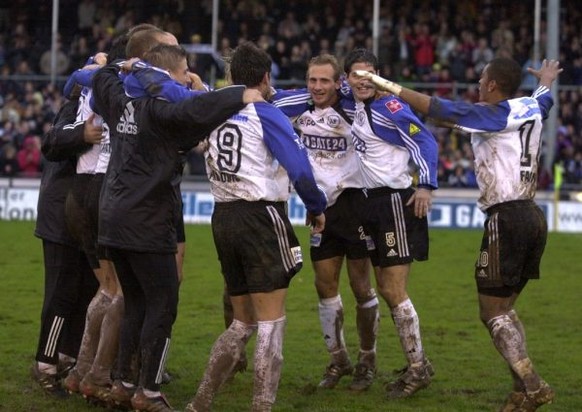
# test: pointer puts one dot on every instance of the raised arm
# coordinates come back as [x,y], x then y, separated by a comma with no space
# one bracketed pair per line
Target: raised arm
[418,101]
[547,73]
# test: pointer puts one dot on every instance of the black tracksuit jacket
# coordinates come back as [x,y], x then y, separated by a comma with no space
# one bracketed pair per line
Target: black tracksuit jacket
[138,201]
[60,147]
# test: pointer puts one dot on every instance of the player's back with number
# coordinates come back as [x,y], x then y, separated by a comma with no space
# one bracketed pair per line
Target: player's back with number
[506,140]
[248,155]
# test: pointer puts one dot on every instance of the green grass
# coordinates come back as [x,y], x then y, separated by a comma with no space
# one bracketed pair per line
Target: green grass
[470,375]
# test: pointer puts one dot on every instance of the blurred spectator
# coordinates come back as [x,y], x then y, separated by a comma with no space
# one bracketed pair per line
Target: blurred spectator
[9,166]
[482,54]
[62,63]
[462,177]
[572,163]
[423,46]
[289,29]
[29,157]
[86,11]
[445,44]
[79,53]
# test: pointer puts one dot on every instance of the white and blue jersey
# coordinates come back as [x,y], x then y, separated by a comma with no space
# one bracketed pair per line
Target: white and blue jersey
[387,136]
[325,132]
[253,156]
[96,159]
[506,140]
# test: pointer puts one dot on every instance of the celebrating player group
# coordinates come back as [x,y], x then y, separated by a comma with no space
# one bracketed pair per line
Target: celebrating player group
[351,145]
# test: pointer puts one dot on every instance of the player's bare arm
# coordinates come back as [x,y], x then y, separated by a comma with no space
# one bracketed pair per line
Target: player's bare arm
[422,200]
[418,101]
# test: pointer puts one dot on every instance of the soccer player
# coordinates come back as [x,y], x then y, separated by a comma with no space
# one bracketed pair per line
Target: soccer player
[81,210]
[69,281]
[250,160]
[138,207]
[324,119]
[91,376]
[506,134]
[388,138]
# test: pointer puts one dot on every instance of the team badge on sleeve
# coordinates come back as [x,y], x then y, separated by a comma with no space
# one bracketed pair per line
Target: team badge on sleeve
[413,129]
[394,106]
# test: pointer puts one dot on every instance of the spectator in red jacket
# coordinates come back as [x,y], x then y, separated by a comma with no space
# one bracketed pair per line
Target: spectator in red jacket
[29,157]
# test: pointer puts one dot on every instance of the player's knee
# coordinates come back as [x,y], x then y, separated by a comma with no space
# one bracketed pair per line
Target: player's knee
[326,288]
[361,288]
[364,296]
[393,297]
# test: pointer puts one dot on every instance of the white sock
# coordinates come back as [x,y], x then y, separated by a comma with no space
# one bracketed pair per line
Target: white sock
[268,362]
[408,327]
[331,316]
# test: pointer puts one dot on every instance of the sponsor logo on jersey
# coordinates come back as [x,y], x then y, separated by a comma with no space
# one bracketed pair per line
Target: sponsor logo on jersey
[391,253]
[394,106]
[413,129]
[482,274]
[333,121]
[331,143]
[306,121]
[240,118]
[127,123]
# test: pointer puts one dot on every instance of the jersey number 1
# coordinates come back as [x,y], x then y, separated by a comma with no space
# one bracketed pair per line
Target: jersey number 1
[525,139]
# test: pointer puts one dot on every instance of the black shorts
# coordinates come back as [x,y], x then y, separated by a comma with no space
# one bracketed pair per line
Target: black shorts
[79,219]
[256,246]
[343,234]
[512,246]
[92,206]
[398,236]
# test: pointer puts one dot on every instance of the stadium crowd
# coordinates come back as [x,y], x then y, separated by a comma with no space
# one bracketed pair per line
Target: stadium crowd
[444,45]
